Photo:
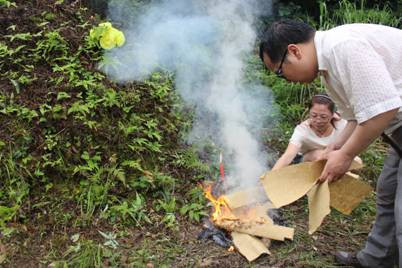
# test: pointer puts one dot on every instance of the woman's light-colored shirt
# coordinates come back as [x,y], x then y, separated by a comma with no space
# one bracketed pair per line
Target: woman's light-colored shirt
[306,139]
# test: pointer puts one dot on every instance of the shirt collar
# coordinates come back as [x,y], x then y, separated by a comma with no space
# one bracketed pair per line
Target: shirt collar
[318,39]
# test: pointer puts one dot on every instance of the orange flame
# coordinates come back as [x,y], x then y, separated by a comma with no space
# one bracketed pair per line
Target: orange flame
[221,208]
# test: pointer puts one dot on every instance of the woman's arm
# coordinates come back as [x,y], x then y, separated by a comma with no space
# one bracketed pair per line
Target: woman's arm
[341,139]
[287,156]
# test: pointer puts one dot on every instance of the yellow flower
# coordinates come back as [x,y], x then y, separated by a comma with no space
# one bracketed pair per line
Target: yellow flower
[111,38]
[119,38]
[107,41]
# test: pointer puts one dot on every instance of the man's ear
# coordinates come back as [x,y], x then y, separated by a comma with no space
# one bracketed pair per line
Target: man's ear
[294,50]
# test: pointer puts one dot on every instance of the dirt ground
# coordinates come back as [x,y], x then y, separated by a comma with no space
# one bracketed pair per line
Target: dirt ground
[44,238]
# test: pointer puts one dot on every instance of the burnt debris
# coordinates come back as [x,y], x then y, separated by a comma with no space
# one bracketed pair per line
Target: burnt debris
[218,235]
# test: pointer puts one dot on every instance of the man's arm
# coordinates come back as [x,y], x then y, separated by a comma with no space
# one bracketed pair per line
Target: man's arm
[342,138]
[345,134]
[372,96]
[363,135]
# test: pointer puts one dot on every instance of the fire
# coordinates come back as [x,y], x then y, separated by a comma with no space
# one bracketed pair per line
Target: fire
[221,208]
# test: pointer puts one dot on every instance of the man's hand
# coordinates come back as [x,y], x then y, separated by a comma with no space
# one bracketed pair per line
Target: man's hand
[337,165]
[362,135]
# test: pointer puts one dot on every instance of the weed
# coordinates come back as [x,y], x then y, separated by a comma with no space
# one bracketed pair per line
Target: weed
[348,12]
[194,211]
[159,252]
[195,207]
[133,211]
[310,259]
[84,254]
[16,188]
[20,36]
[110,239]
[7,3]
[6,214]
[169,207]
[188,158]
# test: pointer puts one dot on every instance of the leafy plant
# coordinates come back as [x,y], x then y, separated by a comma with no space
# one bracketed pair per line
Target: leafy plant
[169,206]
[134,210]
[84,254]
[7,3]
[52,48]
[194,211]
[21,36]
[110,239]
[6,214]
[195,207]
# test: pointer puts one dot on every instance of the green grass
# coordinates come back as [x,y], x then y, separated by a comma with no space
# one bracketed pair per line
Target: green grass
[356,12]
[159,252]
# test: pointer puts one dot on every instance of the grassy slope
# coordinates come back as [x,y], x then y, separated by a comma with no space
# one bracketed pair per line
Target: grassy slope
[80,154]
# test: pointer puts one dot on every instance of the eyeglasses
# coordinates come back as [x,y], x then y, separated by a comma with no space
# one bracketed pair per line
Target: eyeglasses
[323,117]
[279,72]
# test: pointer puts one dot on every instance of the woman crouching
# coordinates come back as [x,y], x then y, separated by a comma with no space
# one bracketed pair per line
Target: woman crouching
[311,137]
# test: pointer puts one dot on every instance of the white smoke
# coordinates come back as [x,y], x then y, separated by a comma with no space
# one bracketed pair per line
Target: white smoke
[205,43]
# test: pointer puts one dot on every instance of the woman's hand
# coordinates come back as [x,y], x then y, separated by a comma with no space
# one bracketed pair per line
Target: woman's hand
[330,148]
[313,155]
[342,138]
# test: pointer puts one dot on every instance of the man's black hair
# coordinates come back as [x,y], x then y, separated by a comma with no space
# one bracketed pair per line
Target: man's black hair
[282,33]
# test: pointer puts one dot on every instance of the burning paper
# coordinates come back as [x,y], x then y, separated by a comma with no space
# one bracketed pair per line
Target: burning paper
[254,221]
[261,229]
[258,212]
[245,219]
[221,209]
[246,197]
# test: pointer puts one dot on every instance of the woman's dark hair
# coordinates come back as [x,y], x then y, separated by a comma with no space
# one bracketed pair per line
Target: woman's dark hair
[282,33]
[325,100]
